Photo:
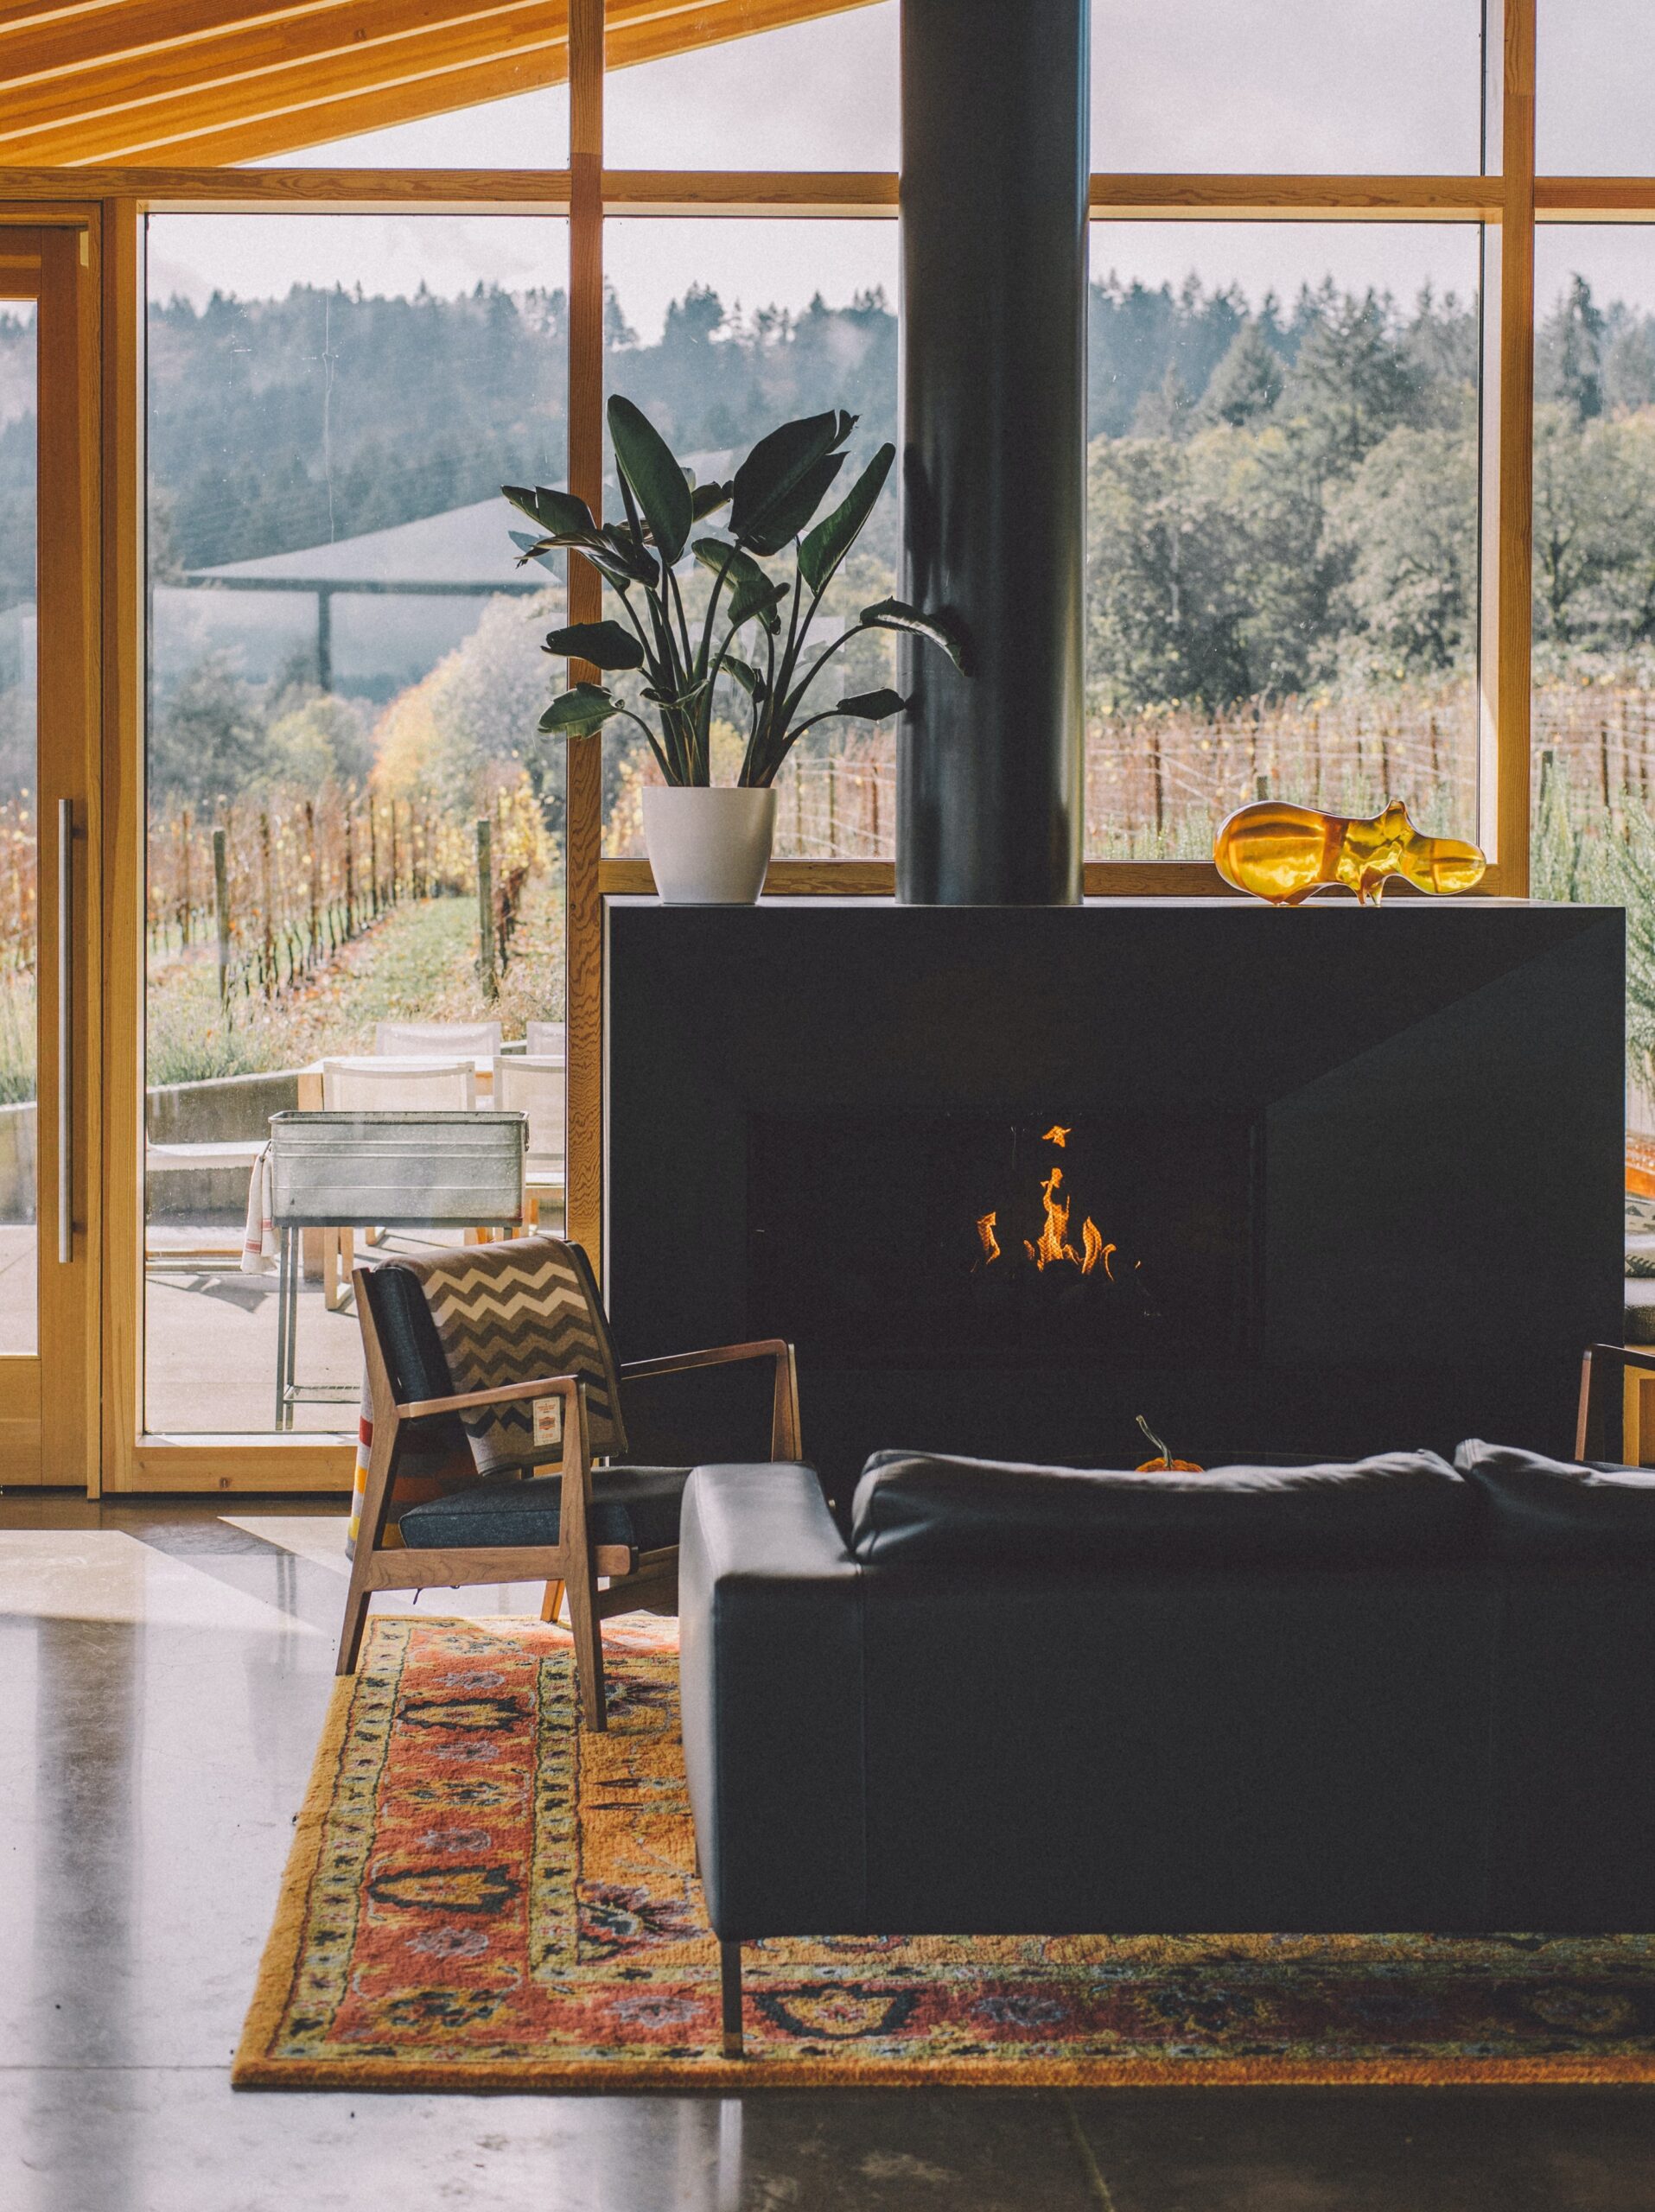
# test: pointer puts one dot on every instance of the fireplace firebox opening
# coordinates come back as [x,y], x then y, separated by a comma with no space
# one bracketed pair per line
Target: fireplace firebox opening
[1020,1238]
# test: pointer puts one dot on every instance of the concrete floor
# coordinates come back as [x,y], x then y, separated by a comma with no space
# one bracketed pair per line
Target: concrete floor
[163,1674]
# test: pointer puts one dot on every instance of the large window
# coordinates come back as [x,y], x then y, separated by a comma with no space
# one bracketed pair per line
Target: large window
[721,332]
[1593,691]
[1288,84]
[1281,525]
[352,817]
[819,95]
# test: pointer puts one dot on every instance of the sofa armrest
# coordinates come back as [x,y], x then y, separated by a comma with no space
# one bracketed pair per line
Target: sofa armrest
[770,1670]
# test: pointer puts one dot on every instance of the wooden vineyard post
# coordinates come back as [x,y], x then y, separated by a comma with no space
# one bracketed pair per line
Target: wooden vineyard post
[183,879]
[373,858]
[350,873]
[486,910]
[221,910]
[315,882]
[393,853]
[266,891]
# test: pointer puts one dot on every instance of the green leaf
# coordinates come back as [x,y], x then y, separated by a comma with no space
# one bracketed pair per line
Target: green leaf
[872,706]
[785,517]
[659,484]
[707,499]
[634,559]
[579,713]
[769,474]
[718,555]
[752,591]
[746,675]
[606,645]
[764,599]
[534,548]
[897,614]
[560,514]
[833,537]
[676,699]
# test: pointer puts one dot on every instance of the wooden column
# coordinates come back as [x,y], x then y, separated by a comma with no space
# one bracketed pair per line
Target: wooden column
[1508,452]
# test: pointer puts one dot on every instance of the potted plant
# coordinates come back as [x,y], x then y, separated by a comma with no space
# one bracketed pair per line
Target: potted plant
[709,845]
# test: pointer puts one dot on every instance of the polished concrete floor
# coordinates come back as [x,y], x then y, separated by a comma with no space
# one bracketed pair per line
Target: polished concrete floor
[163,1674]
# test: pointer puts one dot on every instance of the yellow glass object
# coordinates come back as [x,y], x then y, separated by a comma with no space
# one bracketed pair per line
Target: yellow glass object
[1283,853]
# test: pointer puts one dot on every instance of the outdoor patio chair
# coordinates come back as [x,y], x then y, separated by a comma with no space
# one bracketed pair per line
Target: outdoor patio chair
[534,1086]
[529,1310]
[548,1038]
[438,1170]
[477,1041]
[395,1085]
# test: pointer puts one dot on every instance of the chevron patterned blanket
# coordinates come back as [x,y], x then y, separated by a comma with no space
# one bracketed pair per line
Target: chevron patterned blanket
[512,1312]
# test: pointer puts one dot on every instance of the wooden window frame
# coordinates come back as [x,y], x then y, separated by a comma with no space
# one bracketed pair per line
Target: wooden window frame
[1506,198]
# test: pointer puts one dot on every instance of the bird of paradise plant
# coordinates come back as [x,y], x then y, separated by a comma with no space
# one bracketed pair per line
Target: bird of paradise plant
[773,500]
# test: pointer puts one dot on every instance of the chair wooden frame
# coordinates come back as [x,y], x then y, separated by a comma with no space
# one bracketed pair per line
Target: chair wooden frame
[1588,1420]
[646,1579]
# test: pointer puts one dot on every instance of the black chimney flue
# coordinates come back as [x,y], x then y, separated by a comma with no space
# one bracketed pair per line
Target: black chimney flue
[994,199]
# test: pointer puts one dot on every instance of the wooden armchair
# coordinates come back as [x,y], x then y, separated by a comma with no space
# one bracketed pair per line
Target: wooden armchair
[597,1518]
[1601,1365]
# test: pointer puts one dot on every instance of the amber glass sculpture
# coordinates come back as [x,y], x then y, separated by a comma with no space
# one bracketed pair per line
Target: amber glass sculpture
[1285,853]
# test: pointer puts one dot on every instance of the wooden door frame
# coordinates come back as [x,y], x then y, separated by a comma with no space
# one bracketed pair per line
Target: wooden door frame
[49,1404]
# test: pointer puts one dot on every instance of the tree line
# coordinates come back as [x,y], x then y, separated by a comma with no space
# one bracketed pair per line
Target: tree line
[1282,497]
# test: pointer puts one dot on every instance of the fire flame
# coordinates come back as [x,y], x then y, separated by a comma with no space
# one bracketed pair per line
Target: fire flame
[1054,1246]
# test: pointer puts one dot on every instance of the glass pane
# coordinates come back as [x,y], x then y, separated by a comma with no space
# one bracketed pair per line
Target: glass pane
[1282,526]
[1287,84]
[528,131]
[817,330]
[345,680]
[1593,63]
[1593,700]
[815,96]
[19,1326]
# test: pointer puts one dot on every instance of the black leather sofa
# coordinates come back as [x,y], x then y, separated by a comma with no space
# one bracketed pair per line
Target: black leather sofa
[1390,1696]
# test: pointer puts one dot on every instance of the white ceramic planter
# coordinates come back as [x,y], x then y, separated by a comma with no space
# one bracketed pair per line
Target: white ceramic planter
[709,847]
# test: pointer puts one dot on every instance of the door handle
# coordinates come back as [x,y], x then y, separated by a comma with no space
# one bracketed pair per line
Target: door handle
[65,1032]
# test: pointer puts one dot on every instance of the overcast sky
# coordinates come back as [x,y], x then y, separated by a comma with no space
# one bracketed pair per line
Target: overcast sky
[1305,85]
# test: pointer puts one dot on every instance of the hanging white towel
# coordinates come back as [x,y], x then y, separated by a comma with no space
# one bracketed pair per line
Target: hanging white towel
[258,1240]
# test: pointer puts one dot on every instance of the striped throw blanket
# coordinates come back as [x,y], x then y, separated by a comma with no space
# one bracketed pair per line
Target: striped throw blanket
[511,1312]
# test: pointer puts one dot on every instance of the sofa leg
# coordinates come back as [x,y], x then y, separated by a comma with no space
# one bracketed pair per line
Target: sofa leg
[729,1976]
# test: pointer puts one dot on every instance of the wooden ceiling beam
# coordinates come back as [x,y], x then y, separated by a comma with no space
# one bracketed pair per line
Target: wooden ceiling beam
[33,51]
[310,122]
[332,52]
[198,82]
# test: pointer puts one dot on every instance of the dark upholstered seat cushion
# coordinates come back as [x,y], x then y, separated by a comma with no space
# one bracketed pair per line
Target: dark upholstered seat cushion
[636,1506]
[1561,1512]
[408,1337]
[1398,1507]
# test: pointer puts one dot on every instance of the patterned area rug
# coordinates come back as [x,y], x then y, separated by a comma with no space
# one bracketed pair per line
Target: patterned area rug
[481,1896]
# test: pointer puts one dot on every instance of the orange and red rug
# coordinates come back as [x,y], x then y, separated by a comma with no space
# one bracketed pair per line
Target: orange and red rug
[482,1897]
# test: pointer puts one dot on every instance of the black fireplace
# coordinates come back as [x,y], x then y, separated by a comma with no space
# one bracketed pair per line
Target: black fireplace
[1357,1173]
[946,1239]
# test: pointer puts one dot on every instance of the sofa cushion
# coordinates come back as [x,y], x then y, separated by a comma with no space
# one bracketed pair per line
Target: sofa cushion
[635,1506]
[1563,1512]
[1398,1507]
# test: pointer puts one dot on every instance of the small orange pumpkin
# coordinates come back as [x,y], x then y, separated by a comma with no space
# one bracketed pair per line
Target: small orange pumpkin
[1163,1463]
